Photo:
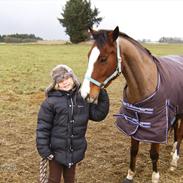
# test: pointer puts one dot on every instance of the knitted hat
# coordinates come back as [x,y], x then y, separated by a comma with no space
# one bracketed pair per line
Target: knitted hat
[59,73]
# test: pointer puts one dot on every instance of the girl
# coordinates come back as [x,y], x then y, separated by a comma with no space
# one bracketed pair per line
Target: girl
[62,124]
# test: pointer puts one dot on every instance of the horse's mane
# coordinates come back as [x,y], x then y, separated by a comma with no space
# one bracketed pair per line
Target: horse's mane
[134,42]
[101,37]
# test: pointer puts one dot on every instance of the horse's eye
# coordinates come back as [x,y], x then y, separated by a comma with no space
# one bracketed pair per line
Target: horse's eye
[103,59]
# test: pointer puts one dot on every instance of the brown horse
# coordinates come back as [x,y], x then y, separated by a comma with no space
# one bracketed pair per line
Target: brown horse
[149,108]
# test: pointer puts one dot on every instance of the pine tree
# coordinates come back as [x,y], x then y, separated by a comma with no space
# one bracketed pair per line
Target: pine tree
[77,17]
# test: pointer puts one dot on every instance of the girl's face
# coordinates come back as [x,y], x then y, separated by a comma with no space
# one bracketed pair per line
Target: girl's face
[67,84]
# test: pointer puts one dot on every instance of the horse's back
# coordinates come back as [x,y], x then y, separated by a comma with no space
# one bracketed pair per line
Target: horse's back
[172,73]
[173,59]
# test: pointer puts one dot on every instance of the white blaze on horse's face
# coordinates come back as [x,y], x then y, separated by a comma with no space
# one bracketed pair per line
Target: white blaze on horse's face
[85,88]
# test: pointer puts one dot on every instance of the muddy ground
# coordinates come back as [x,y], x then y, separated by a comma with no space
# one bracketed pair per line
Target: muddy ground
[107,156]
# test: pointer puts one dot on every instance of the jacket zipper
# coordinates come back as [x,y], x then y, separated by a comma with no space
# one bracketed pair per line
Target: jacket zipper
[71,132]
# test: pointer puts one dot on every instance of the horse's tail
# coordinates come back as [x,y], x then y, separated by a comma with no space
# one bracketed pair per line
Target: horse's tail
[43,170]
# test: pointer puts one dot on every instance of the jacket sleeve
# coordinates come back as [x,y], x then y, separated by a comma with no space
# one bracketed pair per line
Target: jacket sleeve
[44,125]
[99,111]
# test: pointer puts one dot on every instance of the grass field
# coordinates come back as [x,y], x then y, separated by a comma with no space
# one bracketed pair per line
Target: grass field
[24,74]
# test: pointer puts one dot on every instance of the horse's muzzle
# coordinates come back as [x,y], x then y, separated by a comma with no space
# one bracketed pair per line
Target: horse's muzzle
[91,100]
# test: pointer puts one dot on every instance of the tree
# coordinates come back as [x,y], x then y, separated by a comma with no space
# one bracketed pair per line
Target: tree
[19,38]
[77,17]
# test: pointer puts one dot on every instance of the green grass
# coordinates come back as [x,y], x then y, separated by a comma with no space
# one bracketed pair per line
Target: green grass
[165,49]
[26,68]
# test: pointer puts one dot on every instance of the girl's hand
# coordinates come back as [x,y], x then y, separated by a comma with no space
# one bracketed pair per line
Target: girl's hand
[50,157]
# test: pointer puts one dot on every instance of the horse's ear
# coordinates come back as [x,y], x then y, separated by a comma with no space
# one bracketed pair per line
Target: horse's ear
[115,33]
[90,30]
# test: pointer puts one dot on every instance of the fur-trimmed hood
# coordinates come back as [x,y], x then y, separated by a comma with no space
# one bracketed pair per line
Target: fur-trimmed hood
[58,73]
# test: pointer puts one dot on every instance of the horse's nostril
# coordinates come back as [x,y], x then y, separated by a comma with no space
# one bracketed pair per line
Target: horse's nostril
[88,100]
[92,100]
[87,96]
[95,101]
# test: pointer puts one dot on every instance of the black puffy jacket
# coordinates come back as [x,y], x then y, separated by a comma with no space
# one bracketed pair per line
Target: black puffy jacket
[62,124]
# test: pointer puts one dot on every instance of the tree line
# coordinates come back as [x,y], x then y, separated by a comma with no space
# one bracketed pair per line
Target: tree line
[170,40]
[164,40]
[19,38]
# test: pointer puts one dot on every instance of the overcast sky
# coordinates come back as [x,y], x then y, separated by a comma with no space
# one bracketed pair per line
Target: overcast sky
[149,19]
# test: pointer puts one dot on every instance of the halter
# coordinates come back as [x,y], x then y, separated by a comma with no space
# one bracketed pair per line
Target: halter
[117,72]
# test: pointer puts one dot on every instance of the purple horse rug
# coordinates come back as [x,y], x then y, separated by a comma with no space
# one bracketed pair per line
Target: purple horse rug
[150,119]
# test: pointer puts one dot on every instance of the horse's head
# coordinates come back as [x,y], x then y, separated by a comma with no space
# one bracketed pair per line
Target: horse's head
[102,63]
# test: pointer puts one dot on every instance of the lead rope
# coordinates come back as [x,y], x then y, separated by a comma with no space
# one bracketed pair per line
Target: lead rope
[43,170]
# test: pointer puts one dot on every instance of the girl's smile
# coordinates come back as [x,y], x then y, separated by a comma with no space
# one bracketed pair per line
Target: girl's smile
[66,85]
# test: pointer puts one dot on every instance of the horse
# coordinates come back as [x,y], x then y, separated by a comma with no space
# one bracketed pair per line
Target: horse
[152,103]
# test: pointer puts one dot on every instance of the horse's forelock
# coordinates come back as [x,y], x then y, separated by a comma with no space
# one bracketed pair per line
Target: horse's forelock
[100,38]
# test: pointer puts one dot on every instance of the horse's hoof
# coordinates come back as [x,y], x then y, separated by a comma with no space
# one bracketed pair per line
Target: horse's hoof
[127,181]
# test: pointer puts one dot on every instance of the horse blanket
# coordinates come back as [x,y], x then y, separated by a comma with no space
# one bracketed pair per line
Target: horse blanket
[150,119]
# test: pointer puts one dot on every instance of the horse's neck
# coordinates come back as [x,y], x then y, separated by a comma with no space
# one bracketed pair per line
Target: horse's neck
[139,71]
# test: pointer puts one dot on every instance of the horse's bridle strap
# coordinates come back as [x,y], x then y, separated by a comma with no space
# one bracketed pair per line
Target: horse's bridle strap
[93,81]
[116,72]
[102,85]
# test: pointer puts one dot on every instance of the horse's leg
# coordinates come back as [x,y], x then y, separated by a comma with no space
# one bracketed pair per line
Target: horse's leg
[175,155]
[133,154]
[154,154]
[175,128]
